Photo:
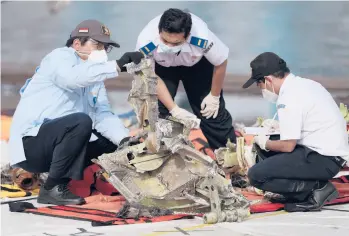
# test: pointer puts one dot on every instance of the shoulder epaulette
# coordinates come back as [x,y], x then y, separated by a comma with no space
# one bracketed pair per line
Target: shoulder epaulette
[199,42]
[148,48]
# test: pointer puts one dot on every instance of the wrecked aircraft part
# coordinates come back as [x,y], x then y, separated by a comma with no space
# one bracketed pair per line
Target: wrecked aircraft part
[244,157]
[143,98]
[226,156]
[176,176]
[240,156]
[134,211]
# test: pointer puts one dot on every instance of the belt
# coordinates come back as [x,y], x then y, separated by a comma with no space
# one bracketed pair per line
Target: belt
[339,161]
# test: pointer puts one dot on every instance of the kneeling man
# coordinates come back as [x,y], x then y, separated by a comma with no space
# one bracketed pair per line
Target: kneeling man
[313,143]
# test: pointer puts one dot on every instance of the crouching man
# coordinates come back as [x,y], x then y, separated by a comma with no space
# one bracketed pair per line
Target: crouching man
[63,119]
[313,143]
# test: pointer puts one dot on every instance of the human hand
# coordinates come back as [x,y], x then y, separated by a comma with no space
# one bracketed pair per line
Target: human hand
[210,106]
[184,115]
[129,57]
[261,141]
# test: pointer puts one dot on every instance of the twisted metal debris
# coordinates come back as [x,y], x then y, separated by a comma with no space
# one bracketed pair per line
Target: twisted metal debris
[166,171]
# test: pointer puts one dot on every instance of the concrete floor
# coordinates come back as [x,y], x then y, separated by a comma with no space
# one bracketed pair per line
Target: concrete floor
[332,220]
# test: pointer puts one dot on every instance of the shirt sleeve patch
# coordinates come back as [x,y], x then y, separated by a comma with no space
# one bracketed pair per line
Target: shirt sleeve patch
[21,91]
[148,48]
[209,47]
[199,42]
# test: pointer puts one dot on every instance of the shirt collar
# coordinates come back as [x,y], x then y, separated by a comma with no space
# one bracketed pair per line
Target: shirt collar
[186,47]
[286,83]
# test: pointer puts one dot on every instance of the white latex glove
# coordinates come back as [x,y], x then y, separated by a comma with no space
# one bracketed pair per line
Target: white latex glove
[271,124]
[185,116]
[210,106]
[261,141]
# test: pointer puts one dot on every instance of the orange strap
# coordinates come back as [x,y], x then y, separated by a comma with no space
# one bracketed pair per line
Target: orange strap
[202,146]
[98,217]
[72,214]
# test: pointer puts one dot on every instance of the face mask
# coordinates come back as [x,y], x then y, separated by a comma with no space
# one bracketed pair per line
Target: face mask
[167,49]
[268,95]
[95,55]
[99,56]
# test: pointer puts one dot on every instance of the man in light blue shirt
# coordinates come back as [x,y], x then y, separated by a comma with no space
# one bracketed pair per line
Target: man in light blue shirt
[63,119]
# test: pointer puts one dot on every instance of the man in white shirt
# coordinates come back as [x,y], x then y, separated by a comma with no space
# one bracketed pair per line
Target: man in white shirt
[313,143]
[185,49]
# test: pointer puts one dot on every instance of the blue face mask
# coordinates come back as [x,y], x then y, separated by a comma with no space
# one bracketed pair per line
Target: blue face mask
[168,49]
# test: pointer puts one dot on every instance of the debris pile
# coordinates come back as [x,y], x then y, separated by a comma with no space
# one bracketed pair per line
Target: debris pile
[166,171]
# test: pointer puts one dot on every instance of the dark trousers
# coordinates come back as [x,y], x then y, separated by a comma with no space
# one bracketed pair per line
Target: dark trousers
[62,147]
[197,81]
[293,174]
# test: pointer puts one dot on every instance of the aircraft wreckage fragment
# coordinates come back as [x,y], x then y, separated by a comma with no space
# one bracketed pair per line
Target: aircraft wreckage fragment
[166,171]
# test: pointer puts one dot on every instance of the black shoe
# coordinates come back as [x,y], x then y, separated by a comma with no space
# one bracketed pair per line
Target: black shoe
[59,195]
[325,193]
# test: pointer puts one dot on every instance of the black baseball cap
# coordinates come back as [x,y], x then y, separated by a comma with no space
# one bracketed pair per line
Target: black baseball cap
[95,30]
[264,64]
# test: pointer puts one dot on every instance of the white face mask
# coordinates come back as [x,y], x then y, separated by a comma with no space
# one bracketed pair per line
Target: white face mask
[268,95]
[167,49]
[99,56]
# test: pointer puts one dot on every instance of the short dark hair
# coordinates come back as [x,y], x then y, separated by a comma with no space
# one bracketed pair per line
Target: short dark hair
[70,41]
[175,21]
[281,73]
